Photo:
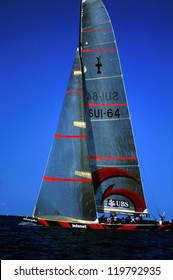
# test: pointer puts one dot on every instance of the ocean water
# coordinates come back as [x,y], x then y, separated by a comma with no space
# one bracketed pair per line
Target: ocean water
[19,241]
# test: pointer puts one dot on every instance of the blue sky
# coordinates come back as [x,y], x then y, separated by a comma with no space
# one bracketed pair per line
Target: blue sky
[38,41]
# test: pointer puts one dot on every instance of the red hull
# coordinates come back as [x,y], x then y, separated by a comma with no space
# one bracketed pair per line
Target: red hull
[148,225]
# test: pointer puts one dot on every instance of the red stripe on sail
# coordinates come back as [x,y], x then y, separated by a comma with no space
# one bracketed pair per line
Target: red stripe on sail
[99,50]
[75,180]
[73,92]
[98,30]
[103,174]
[113,158]
[106,104]
[70,136]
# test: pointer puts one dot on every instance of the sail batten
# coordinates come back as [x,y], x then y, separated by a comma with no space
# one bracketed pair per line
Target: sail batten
[114,165]
[101,50]
[97,30]
[106,105]
[113,158]
[70,136]
[103,78]
[105,120]
[100,44]
[95,26]
[75,180]
[73,92]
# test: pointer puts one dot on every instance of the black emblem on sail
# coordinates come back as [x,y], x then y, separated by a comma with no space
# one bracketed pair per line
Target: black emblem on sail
[98,65]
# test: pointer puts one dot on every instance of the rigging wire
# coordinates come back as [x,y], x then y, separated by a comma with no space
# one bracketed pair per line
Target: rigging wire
[149,193]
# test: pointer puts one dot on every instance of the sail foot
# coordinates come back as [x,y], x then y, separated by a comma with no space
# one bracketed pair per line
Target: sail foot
[64,219]
[117,211]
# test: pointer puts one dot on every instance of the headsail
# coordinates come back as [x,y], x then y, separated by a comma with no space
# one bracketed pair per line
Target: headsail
[67,190]
[112,153]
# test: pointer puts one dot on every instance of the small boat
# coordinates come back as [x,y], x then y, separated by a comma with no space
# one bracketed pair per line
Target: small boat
[92,178]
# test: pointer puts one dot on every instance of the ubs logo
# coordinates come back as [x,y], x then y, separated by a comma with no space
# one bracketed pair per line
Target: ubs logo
[118,203]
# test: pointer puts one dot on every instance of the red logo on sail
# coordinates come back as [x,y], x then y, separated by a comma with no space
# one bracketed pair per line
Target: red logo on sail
[103,174]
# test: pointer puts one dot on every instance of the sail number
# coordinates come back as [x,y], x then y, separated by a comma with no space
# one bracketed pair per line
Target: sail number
[104,96]
[100,113]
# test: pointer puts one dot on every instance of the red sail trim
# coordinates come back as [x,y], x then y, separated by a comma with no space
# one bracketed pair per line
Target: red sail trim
[98,30]
[103,174]
[75,180]
[70,136]
[113,158]
[106,105]
[99,50]
[73,92]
